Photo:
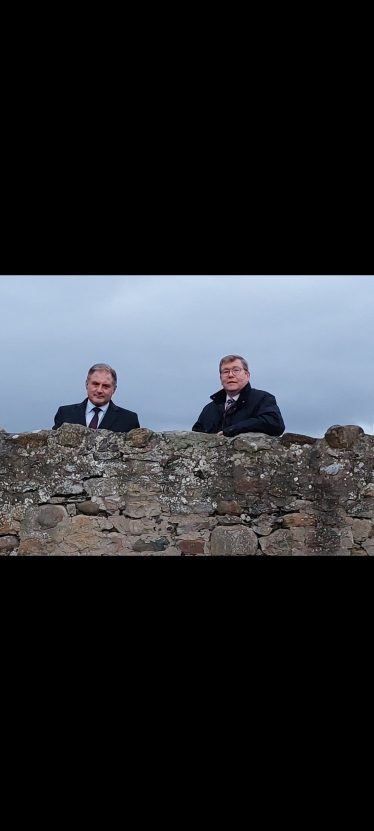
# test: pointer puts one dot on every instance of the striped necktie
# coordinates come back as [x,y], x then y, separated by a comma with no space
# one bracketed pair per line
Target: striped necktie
[229,403]
[95,421]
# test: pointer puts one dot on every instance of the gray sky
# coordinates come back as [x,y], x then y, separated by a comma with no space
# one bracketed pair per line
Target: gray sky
[308,340]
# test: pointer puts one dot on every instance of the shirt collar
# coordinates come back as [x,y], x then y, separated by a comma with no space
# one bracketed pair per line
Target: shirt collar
[91,407]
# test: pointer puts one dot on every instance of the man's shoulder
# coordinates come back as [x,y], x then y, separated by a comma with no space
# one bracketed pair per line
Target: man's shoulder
[71,406]
[259,393]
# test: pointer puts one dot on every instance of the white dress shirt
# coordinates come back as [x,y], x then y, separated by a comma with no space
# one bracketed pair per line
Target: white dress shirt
[90,412]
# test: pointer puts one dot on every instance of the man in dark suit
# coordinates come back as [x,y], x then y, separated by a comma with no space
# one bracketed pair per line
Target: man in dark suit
[97,410]
[238,407]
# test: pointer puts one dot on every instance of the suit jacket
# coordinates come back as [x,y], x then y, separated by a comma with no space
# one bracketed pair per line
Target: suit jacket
[116,418]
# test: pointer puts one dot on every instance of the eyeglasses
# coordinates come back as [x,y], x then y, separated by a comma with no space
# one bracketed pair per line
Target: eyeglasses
[235,371]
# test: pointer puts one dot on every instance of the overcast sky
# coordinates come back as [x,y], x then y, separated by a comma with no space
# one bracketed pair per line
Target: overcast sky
[308,340]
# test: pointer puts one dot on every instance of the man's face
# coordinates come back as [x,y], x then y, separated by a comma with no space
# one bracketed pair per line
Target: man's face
[100,387]
[233,377]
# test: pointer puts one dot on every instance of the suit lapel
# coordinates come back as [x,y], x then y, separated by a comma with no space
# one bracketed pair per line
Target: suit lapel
[109,418]
[81,413]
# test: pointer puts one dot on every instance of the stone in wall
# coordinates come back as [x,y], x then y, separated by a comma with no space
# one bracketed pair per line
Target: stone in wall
[79,492]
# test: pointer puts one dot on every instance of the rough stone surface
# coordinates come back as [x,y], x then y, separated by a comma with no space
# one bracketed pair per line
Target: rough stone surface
[343,437]
[8,543]
[230,542]
[284,543]
[141,545]
[229,520]
[191,546]
[229,508]
[265,524]
[368,490]
[80,492]
[368,546]
[362,529]
[296,438]
[50,516]
[89,508]
[298,520]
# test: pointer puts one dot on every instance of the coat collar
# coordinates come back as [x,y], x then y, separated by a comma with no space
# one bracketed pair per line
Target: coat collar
[220,396]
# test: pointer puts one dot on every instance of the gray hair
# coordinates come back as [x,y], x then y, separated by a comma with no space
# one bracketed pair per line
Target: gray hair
[229,358]
[101,368]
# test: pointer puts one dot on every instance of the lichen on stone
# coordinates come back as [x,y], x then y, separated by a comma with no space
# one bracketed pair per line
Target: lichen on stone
[78,492]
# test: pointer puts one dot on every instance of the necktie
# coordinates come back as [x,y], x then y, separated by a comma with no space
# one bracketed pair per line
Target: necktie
[95,419]
[229,403]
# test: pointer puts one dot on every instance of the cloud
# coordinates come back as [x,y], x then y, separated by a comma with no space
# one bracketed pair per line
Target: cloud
[308,340]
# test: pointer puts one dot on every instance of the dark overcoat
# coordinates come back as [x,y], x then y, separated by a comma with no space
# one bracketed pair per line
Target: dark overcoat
[255,411]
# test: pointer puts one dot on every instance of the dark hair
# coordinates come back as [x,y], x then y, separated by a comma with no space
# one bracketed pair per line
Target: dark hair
[100,368]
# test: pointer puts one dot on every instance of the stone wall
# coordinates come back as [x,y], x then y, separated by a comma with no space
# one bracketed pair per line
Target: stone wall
[79,492]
